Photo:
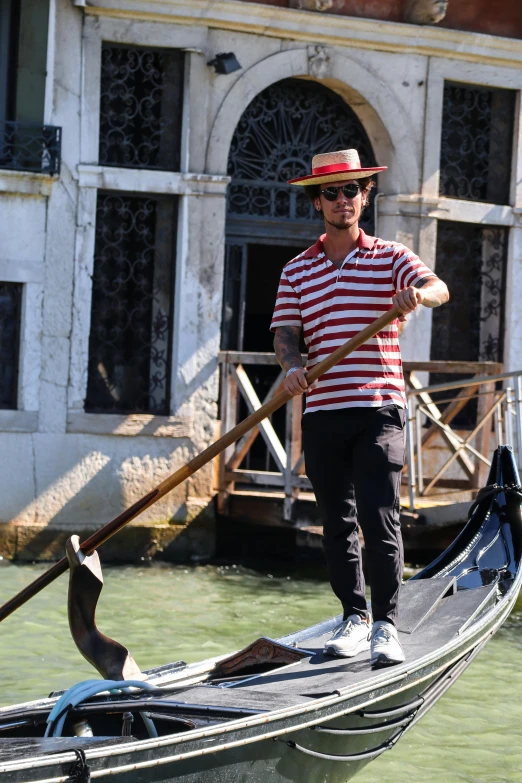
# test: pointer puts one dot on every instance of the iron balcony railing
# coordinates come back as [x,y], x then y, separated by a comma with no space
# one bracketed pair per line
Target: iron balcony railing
[25,147]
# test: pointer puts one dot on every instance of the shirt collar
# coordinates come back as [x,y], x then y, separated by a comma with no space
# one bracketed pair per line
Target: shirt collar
[366,242]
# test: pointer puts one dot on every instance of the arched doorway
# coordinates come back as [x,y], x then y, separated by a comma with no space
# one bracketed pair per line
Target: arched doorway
[268,221]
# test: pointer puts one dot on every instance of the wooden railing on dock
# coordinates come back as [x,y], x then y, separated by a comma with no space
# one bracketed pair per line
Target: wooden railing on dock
[283,470]
[496,421]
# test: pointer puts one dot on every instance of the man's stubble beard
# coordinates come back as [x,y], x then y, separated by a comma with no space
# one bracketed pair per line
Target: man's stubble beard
[341,226]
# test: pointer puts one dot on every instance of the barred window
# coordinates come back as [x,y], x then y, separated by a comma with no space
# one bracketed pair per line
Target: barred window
[10,308]
[141,107]
[471,259]
[274,141]
[132,297]
[477,143]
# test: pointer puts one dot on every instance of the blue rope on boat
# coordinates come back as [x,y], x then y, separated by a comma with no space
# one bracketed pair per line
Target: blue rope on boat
[85,690]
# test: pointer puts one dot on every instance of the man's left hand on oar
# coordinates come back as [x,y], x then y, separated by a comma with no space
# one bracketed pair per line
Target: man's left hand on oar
[430,292]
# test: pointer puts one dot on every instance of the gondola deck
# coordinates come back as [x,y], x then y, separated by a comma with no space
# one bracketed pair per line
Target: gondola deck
[298,683]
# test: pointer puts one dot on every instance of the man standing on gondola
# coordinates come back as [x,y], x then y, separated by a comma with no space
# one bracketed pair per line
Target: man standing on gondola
[353,425]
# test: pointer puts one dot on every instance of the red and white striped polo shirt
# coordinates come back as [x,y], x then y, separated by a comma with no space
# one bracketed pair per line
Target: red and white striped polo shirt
[334,304]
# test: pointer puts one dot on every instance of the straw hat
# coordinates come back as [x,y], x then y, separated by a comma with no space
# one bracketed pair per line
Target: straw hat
[332,166]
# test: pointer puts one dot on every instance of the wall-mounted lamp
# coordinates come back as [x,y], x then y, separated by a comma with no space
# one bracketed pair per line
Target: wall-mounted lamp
[225,63]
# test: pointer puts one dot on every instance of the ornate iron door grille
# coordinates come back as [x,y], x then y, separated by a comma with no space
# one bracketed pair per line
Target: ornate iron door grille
[131,317]
[471,259]
[141,107]
[477,143]
[275,140]
[10,309]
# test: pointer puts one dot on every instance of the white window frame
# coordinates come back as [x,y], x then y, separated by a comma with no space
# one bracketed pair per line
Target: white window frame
[92,177]
[437,207]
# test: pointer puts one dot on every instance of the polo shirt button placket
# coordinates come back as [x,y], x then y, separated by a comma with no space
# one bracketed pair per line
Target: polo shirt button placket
[353,258]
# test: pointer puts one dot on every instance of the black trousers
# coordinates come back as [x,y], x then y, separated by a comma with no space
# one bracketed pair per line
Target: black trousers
[354,459]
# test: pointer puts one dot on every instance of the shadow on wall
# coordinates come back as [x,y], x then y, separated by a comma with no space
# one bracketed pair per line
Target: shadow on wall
[81,483]
[57,485]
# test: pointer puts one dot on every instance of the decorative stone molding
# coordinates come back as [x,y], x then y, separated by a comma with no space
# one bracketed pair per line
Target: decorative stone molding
[143,424]
[15,271]
[330,28]
[26,183]
[413,205]
[517,217]
[453,209]
[151,181]
[18,421]
[311,5]
[378,108]
[319,62]
[425,11]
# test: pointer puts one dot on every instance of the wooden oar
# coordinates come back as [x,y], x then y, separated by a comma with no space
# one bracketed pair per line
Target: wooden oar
[108,530]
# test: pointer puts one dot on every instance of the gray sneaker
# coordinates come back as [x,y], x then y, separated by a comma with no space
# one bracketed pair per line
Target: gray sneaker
[386,649]
[350,638]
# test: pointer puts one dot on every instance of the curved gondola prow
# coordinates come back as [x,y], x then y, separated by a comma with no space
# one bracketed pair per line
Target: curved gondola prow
[489,548]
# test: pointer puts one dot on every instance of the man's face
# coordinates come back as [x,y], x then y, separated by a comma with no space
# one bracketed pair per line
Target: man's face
[344,211]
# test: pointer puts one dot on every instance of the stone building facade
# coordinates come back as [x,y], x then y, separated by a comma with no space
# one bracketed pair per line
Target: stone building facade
[144,220]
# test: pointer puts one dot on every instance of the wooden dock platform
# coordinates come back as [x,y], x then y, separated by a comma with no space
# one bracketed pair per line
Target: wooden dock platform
[254,524]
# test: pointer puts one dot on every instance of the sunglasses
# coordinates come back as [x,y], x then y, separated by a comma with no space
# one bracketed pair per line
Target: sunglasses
[349,191]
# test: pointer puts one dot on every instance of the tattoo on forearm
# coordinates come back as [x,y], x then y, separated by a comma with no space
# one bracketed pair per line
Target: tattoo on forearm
[286,346]
[422,281]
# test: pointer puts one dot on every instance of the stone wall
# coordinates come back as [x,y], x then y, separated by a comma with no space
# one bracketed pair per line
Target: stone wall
[62,469]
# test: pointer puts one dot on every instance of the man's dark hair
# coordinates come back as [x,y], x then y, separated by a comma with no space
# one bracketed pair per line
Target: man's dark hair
[366,183]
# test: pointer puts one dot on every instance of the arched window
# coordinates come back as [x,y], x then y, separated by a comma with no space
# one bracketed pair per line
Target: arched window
[275,140]
[269,221]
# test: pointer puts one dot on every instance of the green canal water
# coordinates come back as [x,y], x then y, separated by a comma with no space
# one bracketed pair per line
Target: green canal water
[167,613]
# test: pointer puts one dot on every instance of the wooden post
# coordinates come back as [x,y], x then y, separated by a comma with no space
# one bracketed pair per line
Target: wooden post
[229,399]
[445,417]
[483,443]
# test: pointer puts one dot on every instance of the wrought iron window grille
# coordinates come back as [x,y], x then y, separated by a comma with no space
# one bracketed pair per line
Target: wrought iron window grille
[132,297]
[277,136]
[10,310]
[26,147]
[472,260]
[477,143]
[141,104]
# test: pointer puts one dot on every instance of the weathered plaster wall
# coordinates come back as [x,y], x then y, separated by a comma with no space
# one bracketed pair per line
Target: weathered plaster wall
[72,470]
